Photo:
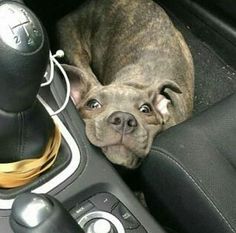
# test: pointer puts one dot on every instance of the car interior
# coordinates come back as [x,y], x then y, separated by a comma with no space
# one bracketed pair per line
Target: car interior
[187,184]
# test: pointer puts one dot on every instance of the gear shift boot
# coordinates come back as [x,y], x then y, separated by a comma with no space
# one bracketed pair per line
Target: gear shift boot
[24,134]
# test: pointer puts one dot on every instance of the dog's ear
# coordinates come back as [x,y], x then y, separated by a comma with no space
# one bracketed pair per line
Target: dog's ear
[81,82]
[165,97]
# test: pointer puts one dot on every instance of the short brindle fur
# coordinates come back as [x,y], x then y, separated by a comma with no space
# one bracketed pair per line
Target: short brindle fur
[132,75]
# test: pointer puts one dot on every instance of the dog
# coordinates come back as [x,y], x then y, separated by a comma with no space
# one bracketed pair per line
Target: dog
[131,74]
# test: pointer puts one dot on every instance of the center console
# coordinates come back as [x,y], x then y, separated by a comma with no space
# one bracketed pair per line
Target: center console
[88,186]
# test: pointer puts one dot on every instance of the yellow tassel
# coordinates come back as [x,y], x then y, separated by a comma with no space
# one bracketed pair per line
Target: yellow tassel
[23,172]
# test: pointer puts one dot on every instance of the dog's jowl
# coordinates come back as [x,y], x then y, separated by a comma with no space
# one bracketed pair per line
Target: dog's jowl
[131,74]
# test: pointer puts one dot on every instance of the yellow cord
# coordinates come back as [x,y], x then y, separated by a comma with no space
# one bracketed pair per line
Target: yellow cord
[23,172]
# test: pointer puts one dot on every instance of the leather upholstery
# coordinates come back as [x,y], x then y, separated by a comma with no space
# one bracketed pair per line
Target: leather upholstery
[24,134]
[189,177]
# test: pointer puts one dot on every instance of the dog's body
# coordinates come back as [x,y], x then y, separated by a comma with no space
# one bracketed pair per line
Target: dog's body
[134,75]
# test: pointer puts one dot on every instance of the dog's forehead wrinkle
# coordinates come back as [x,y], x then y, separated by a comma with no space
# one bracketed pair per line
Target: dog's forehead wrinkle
[120,93]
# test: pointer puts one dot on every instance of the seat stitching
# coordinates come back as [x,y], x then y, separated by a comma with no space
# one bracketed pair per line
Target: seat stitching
[166,154]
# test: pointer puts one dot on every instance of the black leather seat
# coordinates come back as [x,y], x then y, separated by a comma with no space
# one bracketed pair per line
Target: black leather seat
[189,177]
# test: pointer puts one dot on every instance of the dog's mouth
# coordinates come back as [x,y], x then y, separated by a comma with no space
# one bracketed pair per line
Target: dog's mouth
[129,142]
[128,151]
[121,155]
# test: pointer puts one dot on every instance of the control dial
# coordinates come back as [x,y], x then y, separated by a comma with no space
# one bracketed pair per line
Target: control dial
[100,226]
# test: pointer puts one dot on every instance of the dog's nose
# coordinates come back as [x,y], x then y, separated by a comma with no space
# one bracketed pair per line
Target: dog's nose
[122,122]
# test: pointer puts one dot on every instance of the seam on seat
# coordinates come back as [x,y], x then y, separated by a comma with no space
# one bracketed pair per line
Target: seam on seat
[168,156]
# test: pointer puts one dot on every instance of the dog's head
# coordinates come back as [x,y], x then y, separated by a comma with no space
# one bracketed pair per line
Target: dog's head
[121,119]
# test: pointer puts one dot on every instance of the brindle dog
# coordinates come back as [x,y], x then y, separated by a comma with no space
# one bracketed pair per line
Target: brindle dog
[132,77]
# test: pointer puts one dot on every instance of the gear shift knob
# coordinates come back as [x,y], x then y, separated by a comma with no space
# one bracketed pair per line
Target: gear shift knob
[34,213]
[24,54]
[25,127]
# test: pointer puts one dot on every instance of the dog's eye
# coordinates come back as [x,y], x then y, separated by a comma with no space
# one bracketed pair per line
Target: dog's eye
[93,103]
[145,108]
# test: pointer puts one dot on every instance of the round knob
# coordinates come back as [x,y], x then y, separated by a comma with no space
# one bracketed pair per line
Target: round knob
[100,226]
[19,28]
[30,210]
[24,54]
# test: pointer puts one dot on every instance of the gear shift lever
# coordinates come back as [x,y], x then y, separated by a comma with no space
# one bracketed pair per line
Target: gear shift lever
[25,126]
[24,50]
[34,213]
